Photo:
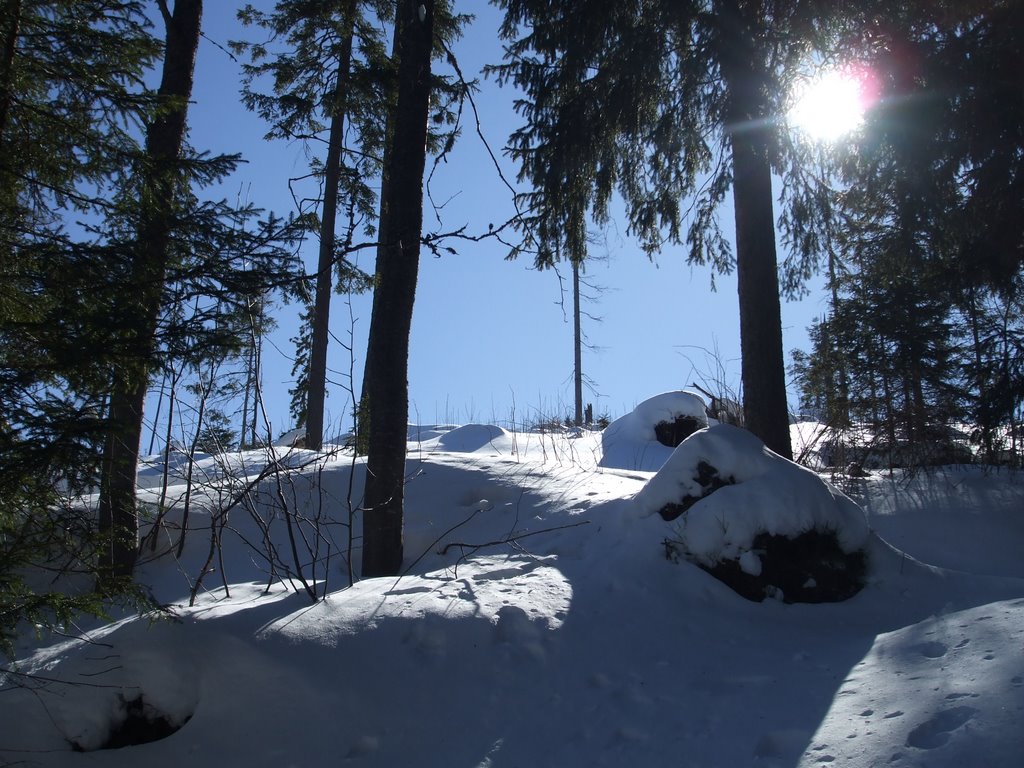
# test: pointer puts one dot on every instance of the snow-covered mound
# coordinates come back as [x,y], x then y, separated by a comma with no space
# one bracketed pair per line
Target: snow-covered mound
[473,437]
[419,433]
[736,502]
[644,437]
[538,623]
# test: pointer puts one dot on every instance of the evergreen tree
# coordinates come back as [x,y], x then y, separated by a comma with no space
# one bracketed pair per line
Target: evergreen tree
[968,65]
[629,98]
[87,309]
[931,229]
[69,72]
[174,248]
[329,66]
[577,349]
[973,63]
[423,31]
[821,375]
[160,185]
[994,368]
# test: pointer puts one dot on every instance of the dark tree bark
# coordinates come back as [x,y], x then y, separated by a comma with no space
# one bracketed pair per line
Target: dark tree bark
[401,223]
[765,408]
[317,385]
[577,337]
[118,515]
[383,222]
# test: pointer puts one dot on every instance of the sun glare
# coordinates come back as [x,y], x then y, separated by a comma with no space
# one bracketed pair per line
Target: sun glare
[831,105]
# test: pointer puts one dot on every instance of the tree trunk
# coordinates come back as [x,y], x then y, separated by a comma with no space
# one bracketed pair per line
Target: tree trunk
[363,408]
[839,412]
[765,409]
[118,515]
[577,346]
[247,394]
[401,223]
[317,379]
[983,413]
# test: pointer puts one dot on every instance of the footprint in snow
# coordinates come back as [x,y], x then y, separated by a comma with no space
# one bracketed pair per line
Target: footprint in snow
[953,696]
[935,732]
[514,630]
[933,649]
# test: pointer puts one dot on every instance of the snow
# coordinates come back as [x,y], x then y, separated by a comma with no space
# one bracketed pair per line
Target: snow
[629,442]
[540,624]
[767,494]
[473,437]
[946,689]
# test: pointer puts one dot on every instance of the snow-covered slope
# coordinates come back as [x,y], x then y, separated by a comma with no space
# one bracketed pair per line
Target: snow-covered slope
[540,624]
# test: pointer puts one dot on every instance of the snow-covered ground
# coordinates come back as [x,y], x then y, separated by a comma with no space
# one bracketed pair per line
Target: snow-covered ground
[541,624]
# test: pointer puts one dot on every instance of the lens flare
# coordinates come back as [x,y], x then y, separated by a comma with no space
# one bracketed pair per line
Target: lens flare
[833,104]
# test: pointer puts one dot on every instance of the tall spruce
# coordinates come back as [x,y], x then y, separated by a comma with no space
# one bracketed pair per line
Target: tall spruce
[159,189]
[931,236]
[975,64]
[69,72]
[189,269]
[422,32]
[641,99]
[577,349]
[963,61]
[330,72]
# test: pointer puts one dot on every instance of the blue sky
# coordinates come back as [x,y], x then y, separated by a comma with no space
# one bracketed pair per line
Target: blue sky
[491,340]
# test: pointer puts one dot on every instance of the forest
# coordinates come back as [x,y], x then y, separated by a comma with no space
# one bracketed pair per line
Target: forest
[135,298]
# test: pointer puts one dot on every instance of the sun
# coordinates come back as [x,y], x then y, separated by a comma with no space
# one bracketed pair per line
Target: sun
[832,104]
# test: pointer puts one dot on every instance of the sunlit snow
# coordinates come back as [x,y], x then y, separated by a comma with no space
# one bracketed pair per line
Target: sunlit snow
[540,623]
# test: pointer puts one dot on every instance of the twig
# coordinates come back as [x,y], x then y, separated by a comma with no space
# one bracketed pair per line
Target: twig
[511,539]
[44,679]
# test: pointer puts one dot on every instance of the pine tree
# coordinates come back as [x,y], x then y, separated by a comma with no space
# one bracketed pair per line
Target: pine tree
[332,74]
[329,68]
[77,337]
[629,98]
[968,65]
[577,349]
[176,252]
[931,233]
[159,187]
[974,61]
[68,76]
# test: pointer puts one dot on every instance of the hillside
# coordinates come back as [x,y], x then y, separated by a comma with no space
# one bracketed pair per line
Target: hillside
[541,624]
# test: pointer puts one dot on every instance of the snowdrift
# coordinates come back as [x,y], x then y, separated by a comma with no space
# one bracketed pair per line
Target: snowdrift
[762,524]
[539,622]
[644,437]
